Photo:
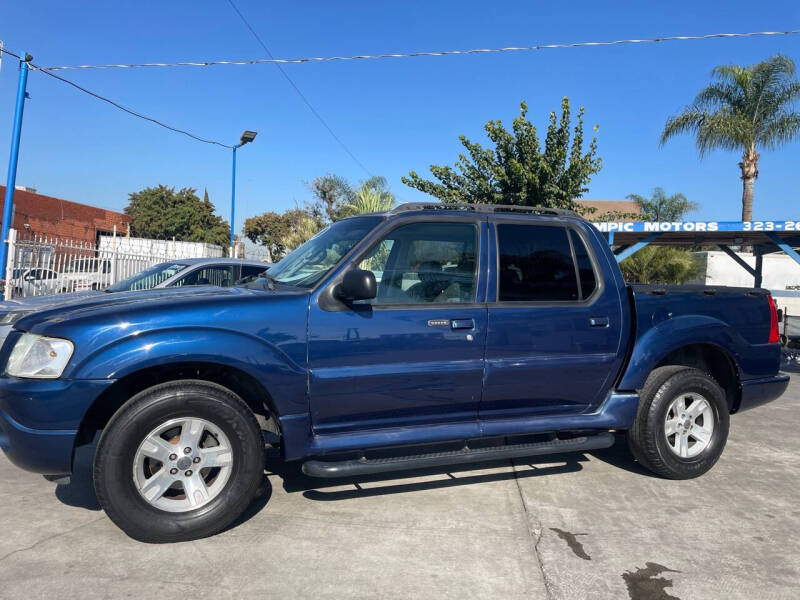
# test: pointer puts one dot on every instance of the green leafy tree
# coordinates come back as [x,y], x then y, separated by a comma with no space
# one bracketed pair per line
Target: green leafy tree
[331,194]
[517,171]
[334,199]
[660,207]
[281,232]
[660,264]
[163,213]
[372,196]
[744,109]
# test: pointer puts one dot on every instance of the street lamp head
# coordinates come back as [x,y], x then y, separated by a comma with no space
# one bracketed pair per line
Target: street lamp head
[247,137]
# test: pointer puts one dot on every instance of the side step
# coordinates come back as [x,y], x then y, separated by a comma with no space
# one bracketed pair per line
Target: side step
[367,466]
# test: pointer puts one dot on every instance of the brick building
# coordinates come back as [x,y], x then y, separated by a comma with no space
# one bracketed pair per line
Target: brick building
[603,207]
[36,214]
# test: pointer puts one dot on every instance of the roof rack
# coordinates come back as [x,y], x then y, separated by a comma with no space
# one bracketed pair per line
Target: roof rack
[484,208]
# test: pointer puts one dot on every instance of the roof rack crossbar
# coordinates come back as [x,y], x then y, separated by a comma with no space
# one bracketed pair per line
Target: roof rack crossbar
[484,208]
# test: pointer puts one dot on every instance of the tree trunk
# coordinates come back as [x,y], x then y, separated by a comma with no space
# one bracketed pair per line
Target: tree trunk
[747,198]
[749,168]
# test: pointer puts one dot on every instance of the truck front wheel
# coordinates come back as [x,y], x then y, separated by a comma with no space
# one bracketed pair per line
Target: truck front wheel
[179,461]
[682,423]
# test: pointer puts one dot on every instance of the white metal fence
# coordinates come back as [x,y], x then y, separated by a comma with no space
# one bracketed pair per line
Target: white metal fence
[40,265]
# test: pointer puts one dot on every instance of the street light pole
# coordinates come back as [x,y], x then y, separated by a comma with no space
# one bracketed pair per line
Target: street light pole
[233,197]
[13,159]
[247,137]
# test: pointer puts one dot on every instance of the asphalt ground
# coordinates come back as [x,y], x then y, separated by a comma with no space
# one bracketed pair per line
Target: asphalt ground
[592,525]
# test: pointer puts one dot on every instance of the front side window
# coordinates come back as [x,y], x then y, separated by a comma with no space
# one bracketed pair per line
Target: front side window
[221,275]
[535,264]
[425,263]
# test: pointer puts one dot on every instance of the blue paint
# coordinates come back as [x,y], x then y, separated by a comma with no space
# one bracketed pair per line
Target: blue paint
[767,227]
[730,320]
[633,249]
[784,246]
[13,159]
[348,377]
[760,391]
[233,196]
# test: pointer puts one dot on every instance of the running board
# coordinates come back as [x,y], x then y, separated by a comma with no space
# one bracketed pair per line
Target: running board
[367,466]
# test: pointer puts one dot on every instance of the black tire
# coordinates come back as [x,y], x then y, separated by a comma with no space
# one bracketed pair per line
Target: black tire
[114,460]
[647,438]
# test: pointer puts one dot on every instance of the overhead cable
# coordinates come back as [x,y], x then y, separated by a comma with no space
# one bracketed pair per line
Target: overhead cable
[318,59]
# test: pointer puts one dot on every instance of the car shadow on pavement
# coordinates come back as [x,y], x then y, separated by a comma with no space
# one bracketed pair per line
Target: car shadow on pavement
[619,456]
[79,492]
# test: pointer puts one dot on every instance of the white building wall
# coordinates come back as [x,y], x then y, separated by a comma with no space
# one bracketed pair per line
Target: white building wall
[162,248]
[781,275]
[779,272]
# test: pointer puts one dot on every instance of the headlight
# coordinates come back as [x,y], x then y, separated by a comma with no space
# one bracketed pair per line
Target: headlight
[12,317]
[39,357]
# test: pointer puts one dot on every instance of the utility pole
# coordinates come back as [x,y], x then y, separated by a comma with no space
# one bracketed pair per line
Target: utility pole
[13,157]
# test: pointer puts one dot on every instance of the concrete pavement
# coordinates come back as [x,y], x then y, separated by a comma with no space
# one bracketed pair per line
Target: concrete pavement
[569,526]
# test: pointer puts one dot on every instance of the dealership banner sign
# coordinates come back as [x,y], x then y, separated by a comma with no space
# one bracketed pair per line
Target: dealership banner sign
[671,226]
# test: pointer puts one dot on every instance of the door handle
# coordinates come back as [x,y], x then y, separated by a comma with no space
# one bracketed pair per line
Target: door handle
[598,322]
[462,324]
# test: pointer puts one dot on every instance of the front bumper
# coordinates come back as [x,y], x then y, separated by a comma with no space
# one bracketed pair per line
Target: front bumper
[756,392]
[39,420]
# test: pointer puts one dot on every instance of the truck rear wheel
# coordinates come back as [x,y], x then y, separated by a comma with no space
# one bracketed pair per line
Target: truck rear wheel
[179,461]
[682,423]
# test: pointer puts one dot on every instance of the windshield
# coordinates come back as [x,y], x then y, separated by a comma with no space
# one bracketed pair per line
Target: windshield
[149,278]
[309,263]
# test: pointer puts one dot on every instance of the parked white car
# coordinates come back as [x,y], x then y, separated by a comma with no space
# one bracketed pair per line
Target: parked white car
[83,274]
[223,272]
[34,282]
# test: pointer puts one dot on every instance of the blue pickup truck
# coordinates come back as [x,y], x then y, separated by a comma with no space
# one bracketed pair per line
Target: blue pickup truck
[492,332]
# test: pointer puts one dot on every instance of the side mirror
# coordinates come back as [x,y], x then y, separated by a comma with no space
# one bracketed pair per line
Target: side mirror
[357,284]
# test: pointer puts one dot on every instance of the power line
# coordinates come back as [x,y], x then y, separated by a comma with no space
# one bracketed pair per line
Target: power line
[297,89]
[210,63]
[130,111]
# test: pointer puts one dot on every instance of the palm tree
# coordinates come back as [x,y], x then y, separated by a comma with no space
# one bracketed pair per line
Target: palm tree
[372,196]
[660,207]
[660,264]
[743,109]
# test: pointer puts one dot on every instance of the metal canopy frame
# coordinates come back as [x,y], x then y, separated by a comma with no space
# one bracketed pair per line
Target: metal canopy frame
[765,237]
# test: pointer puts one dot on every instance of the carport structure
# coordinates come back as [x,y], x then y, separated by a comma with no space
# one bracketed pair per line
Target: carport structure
[765,237]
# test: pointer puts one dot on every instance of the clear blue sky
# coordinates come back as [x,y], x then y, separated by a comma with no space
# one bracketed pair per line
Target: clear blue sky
[395,115]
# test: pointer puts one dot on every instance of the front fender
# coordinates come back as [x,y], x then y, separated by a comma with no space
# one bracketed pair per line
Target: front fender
[266,362]
[677,332]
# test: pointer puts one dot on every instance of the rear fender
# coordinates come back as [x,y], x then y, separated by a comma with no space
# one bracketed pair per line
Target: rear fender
[678,332]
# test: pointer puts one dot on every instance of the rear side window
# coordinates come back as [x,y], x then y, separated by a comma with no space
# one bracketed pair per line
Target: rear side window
[535,264]
[585,270]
